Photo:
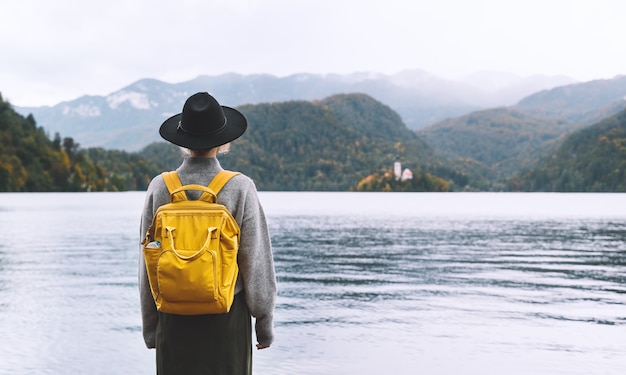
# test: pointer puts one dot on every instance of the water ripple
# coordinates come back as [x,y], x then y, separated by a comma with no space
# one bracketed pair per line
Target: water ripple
[358,294]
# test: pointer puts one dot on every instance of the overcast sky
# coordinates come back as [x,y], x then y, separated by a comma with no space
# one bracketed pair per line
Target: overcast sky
[52,51]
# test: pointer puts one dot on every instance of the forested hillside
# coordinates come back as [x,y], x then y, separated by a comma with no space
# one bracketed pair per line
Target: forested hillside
[323,145]
[496,143]
[31,161]
[591,160]
[344,142]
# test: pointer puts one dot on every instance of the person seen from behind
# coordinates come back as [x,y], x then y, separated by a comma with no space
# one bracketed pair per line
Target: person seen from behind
[212,343]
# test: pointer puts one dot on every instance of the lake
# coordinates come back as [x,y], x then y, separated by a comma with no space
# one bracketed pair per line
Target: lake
[369,283]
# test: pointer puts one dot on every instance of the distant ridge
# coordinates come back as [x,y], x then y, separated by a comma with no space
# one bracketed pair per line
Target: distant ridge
[127,119]
[584,103]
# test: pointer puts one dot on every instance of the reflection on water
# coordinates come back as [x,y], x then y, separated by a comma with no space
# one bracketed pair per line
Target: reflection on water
[358,294]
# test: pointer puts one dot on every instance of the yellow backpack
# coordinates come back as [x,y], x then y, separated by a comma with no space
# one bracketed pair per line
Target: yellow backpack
[191,249]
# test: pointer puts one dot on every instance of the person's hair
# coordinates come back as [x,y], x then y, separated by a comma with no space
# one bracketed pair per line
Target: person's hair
[203,153]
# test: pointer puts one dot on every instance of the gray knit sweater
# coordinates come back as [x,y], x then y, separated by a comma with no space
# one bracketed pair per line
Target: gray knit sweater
[256,265]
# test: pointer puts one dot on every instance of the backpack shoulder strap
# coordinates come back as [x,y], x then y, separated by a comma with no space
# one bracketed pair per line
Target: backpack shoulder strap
[218,182]
[172,181]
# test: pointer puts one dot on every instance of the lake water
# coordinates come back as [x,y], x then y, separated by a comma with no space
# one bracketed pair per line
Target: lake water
[369,283]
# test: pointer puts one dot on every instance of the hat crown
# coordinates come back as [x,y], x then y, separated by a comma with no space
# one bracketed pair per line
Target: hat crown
[203,124]
[202,115]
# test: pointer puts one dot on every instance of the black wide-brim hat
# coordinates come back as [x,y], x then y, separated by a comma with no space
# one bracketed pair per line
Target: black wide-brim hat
[203,124]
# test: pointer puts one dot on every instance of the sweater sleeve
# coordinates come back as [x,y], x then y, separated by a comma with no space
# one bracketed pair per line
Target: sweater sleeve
[256,266]
[149,313]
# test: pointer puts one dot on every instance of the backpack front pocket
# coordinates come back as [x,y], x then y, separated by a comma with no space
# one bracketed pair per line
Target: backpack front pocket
[187,275]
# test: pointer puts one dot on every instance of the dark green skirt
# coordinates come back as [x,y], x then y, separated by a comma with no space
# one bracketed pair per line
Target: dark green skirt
[219,344]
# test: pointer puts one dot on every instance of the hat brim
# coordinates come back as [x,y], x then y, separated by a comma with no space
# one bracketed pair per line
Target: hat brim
[236,125]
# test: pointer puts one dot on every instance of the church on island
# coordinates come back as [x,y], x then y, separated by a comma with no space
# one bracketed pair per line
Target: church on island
[400,174]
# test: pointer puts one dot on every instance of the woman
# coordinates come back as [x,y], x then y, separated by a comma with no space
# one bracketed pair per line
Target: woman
[213,343]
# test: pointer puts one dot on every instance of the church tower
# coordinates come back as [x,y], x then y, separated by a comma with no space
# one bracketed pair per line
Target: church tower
[397,168]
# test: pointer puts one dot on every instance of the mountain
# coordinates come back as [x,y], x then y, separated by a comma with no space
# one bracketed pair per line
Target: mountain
[584,103]
[496,143]
[343,142]
[128,118]
[592,159]
[325,145]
